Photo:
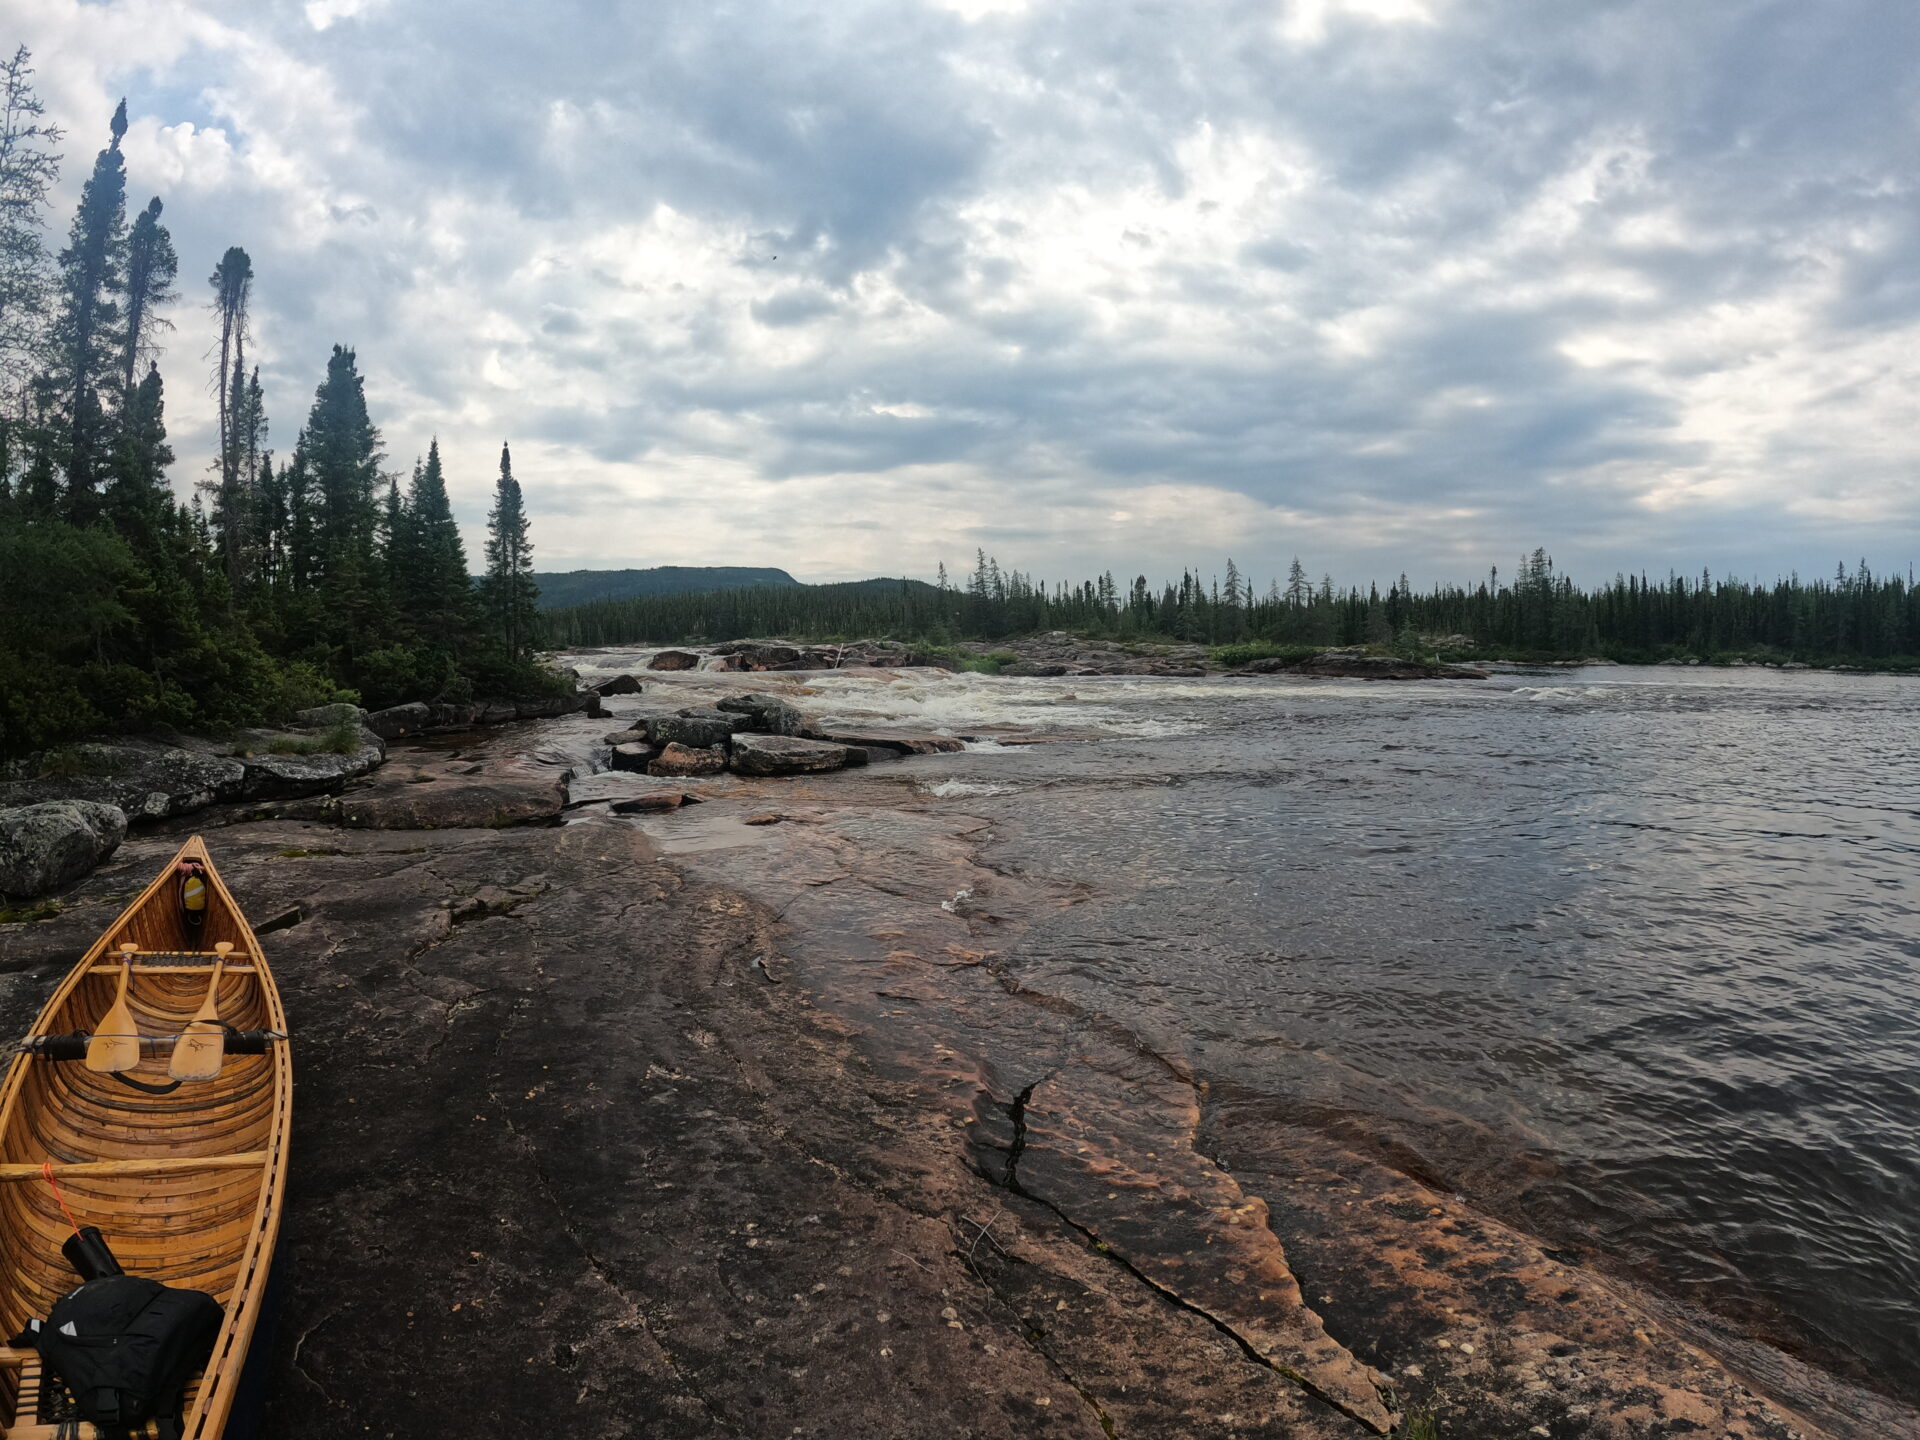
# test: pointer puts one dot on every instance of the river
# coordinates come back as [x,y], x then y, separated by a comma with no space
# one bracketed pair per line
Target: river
[1625,956]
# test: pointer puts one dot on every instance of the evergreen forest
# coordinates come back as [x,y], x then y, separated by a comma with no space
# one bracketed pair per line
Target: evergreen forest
[1855,619]
[287,581]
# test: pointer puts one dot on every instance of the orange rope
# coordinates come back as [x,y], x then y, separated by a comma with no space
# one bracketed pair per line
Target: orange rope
[46,1169]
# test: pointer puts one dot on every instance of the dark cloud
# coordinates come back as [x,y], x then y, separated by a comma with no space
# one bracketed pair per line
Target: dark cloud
[1392,283]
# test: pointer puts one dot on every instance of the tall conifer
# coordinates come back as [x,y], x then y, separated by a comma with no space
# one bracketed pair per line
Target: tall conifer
[509,589]
[87,333]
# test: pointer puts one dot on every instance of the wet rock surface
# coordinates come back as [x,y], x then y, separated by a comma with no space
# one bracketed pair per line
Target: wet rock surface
[701,1124]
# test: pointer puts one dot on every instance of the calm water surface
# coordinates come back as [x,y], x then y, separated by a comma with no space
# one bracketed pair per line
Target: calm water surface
[1628,955]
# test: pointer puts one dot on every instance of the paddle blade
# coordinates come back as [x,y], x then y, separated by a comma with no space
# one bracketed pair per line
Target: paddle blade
[203,1044]
[198,1052]
[116,1040]
[114,1052]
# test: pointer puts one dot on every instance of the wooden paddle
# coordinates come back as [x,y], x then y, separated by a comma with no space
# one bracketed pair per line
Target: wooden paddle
[116,1040]
[203,1044]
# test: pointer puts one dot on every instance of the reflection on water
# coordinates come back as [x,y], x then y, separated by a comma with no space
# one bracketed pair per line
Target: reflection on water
[1628,955]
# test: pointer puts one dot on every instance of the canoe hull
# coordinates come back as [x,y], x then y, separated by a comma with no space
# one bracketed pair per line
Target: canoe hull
[206,1227]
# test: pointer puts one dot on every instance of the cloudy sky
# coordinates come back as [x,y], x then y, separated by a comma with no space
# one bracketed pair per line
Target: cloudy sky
[853,288]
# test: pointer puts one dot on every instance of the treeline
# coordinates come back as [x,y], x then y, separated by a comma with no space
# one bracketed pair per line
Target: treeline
[279,585]
[1857,617]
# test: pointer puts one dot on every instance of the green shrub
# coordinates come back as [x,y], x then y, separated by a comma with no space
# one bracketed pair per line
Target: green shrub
[1234,656]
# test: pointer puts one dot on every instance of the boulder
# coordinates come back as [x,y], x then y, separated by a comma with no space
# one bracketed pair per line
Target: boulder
[44,846]
[281,777]
[785,755]
[769,714]
[673,660]
[325,717]
[684,760]
[636,735]
[631,755]
[761,654]
[701,729]
[397,720]
[618,685]
[147,781]
[899,744]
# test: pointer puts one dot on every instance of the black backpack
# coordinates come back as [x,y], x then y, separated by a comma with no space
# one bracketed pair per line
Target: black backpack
[125,1347]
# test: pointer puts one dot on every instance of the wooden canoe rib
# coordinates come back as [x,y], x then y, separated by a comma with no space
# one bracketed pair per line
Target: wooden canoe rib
[186,1186]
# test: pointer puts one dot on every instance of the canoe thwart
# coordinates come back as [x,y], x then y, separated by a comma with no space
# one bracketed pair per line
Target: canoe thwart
[166,1165]
[172,964]
[73,1045]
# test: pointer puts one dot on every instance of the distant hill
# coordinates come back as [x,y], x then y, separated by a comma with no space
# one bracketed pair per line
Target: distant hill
[576,587]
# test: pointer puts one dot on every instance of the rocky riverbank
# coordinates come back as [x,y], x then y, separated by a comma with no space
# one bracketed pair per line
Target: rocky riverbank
[729,1121]
[1052,655]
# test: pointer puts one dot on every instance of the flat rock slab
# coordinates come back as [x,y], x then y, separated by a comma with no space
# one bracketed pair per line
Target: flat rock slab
[785,755]
[491,801]
[899,742]
[147,782]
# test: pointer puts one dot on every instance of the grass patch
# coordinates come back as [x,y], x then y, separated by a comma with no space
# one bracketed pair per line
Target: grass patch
[1420,1425]
[294,852]
[343,739]
[28,914]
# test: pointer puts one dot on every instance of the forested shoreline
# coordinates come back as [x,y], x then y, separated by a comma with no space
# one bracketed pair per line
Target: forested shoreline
[1855,619]
[284,584]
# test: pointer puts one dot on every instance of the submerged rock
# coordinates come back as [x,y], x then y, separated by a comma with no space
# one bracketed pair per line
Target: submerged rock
[648,804]
[785,755]
[44,846]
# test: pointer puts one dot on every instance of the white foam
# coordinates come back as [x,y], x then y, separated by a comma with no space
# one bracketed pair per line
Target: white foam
[962,789]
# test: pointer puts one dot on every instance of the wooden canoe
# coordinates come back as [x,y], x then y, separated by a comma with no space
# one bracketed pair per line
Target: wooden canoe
[185,1186]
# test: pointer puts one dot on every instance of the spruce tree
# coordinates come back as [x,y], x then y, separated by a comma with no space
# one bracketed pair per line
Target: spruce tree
[337,465]
[509,589]
[434,589]
[87,333]
[232,286]
[151,267]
